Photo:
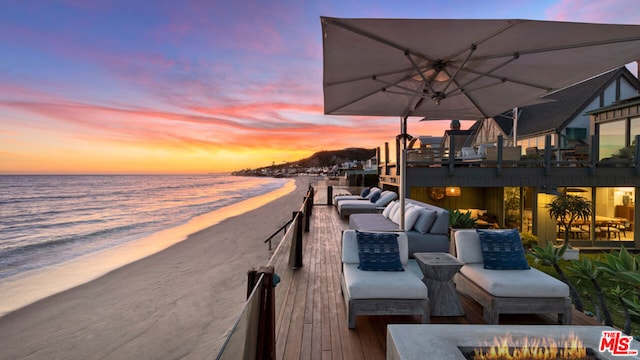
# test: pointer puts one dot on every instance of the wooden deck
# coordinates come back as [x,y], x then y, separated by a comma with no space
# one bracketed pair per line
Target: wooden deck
[314,325]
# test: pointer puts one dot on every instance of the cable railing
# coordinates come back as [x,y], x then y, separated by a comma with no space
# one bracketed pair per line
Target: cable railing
[254,333]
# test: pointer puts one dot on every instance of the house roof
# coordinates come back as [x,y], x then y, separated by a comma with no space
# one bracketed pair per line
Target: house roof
[567,104]
[617,105]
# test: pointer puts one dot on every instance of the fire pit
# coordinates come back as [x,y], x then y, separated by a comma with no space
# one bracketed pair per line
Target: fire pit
[498,342]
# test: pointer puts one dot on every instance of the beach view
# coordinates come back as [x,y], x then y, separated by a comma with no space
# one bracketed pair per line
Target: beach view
[202,179]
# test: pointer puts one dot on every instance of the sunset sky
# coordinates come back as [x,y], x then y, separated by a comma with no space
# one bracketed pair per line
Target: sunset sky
[122,86]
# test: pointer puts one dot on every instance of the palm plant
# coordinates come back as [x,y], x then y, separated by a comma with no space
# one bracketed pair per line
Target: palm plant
[460,220]
[550,256]
[566,210]
[584,269]
[623,295]
[624,269]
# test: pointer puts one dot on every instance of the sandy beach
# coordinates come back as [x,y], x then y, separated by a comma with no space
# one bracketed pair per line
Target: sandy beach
[177,303]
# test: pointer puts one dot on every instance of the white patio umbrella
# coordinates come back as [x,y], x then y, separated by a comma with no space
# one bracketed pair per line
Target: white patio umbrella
[461,69]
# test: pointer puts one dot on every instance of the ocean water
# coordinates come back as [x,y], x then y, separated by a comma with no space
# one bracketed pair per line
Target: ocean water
[46,220]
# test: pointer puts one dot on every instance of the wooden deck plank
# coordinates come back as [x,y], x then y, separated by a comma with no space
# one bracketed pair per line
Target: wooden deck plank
[315,316]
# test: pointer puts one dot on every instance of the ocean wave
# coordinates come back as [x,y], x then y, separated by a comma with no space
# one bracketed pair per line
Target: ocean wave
[51,219]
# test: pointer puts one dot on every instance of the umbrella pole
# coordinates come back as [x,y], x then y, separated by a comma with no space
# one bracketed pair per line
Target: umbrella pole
[403,168]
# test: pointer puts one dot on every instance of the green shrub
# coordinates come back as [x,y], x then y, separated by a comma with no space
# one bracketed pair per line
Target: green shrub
[528,240]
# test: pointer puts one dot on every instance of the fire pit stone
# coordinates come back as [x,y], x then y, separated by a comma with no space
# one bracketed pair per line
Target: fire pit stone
[442,341]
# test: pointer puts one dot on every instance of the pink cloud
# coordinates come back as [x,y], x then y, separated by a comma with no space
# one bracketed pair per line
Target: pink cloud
[607,11]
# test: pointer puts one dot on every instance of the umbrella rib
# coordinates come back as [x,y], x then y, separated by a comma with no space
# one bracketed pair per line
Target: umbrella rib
[505,79]
[472,49]
[486,73]
[394,72]
[350,102]
[373,37]
[561,47]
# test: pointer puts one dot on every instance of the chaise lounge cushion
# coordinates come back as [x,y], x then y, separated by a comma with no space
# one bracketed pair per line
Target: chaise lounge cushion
[503,283]
[382,284]
[515,283]
[372,191]
[377,202]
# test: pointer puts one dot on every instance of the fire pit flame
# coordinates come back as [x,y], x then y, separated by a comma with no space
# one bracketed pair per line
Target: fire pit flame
[509,348]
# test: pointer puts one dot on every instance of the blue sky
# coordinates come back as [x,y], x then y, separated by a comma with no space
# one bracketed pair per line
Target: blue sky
[196,86]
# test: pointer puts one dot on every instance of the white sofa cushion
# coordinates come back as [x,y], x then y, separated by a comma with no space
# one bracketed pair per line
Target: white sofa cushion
[515,283]
[383,284]
[394,210]
[411,216]
[387,210]
[350,248]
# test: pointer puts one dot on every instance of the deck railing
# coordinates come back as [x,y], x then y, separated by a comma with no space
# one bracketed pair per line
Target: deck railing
[503,156]
[253,335]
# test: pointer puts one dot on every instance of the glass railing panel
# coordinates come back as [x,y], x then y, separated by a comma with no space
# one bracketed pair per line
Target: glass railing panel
[242,340]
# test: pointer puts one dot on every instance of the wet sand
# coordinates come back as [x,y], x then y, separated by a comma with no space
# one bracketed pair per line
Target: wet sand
[177,303]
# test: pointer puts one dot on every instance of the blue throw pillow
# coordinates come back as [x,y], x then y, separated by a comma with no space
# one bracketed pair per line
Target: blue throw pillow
[365,192]
[378,252]
[502,250]
[375,196]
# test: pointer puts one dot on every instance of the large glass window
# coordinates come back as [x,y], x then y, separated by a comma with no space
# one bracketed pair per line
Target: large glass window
[634,129]
[512,213]
[536,142]
[612,138]
[614,220]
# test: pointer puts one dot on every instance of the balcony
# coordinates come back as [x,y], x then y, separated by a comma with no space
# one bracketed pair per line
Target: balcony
[504,166]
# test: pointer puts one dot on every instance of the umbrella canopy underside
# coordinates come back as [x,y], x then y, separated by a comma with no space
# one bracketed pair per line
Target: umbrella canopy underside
[461,69]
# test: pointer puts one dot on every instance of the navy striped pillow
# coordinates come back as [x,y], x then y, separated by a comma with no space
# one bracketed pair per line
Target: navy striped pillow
[502,250]
[378,252]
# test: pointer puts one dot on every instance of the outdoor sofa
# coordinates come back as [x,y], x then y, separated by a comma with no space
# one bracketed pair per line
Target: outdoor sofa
[426,225]
[495,274]
[387,290]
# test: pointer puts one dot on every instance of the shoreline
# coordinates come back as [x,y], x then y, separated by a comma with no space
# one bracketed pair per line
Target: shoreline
[177,303]
[31,286]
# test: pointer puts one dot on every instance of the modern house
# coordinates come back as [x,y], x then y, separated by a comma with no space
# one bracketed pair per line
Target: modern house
[568,144]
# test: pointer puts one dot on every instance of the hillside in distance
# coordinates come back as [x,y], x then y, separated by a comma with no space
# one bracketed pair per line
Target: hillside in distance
[325,158]
[335,157]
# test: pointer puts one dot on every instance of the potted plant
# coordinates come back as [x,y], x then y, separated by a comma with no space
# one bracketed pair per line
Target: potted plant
[459,220]
[566,209]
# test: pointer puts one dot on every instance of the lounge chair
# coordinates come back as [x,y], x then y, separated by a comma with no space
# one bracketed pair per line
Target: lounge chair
[469,153]
[381,292]
[367,194]
[522,291]
[373,205]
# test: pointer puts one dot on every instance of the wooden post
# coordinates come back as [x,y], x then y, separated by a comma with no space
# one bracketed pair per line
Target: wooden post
[252,278]
[636,159]
[308,205]
[266,345]
[452,153]
[295,255]
[329,195]
[547,155]
[499,164]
